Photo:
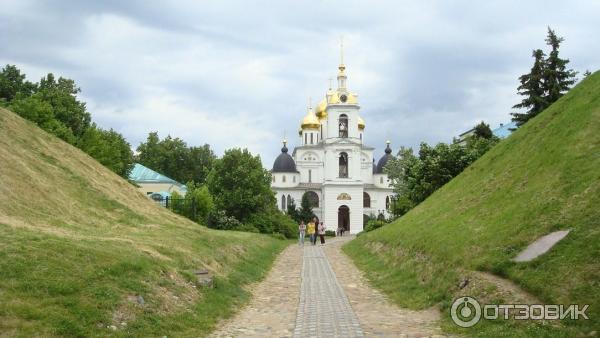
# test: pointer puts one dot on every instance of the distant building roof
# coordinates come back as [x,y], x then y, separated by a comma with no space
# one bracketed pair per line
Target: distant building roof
[504,130]
[142,174]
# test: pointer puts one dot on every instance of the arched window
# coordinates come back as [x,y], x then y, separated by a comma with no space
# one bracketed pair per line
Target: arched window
[311,138]
[313,198]
[381,180]
[343,165]
[289,201]
[305,138]
[309,176]
[343,124]
[294,179]
[366,200]
[273,178]
[387,202]
[282,180]
[282,202]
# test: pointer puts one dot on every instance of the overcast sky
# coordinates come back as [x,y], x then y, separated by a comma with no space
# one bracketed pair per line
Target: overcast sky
[239,73]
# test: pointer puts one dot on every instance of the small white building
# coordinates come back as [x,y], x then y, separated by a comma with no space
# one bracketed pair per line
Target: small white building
[333,166]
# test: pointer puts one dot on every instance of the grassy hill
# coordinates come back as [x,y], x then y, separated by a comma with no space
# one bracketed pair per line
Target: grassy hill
[82,250]
[545,177]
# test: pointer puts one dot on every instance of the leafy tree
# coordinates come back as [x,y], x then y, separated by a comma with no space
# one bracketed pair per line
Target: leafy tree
[306,213]
[292,211]
[532,88]
[557,78]
[240,185]
[201,200]
[109,148]
[173,158]
[483,130]
[12,82]
[34,108]
[62,96]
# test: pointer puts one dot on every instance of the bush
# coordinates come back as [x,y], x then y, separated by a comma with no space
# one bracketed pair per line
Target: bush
[219,220]
[274,222]
[330,233]
[247,228]
[374,224]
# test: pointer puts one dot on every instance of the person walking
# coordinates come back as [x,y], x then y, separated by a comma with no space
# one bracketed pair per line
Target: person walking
[310,230]
[301,231]
[322,233]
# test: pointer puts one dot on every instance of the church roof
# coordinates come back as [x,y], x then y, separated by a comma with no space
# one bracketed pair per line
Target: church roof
[143,174]
[384,159]
[284,163]
[504,130]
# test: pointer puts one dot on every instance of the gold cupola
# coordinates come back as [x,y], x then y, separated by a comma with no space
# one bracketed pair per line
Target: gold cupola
[361,123]
[310,121]
[322,109]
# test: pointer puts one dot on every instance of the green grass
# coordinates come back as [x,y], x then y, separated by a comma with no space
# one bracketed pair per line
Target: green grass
[545,177]
[79,245]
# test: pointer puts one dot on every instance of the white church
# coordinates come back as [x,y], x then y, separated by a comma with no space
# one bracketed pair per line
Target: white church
[333,166]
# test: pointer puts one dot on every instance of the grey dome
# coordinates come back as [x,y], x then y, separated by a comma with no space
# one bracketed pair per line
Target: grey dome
[384,160]
[284,163]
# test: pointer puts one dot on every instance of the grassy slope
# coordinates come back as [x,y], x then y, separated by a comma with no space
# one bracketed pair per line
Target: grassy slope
[78,244]
[543,178]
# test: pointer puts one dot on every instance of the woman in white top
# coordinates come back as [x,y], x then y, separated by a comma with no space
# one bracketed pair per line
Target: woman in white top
[322,233]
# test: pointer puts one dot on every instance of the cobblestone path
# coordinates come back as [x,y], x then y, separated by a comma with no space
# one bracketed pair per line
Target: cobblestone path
[317,291]
[324,309]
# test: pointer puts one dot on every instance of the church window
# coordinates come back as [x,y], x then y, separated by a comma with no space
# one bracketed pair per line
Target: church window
[273,178]
[387,202]
[361,136]
[313,198]
[381,180]
[309,176]
[366,200]
[343,161]
[289,201]
[305,138]
[283,179]
[311,138]
[343,124]
[282,202]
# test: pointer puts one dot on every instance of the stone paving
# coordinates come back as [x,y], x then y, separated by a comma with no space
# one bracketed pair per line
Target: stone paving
[324,309]
[316,291]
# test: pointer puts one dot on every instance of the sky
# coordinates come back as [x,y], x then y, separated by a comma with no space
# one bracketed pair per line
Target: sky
[240,73]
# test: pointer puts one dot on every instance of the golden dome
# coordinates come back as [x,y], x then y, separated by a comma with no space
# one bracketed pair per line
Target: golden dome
[350,99]
[361,123]
[310,121]
[322,109]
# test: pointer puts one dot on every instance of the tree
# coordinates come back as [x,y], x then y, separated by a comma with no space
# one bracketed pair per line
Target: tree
[173,158]
[109,148]
[557,78]
[62,96]
[240,185]
[12,82]
[483,130]
[306,213]
[587,73]
[532,87]
[292,211]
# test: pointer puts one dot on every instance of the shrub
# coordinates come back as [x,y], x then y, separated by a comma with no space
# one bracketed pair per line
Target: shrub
[374,224]
[330,233]
[219,220]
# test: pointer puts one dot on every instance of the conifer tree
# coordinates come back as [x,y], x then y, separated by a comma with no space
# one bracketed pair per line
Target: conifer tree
[532,87]
[557,78]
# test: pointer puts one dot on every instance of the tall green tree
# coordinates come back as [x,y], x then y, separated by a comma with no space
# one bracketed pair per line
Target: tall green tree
[240,185]
[61,94]
[557,78]
[306,213]
[292,211]
[12,82]
[533,90]
[109,148]
[483,130]
[173,158]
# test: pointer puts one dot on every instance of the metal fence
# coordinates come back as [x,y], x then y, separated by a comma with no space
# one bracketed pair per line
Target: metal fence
[183,206]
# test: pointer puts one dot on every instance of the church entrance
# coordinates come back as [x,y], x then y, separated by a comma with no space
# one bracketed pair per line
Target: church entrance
[344,218]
